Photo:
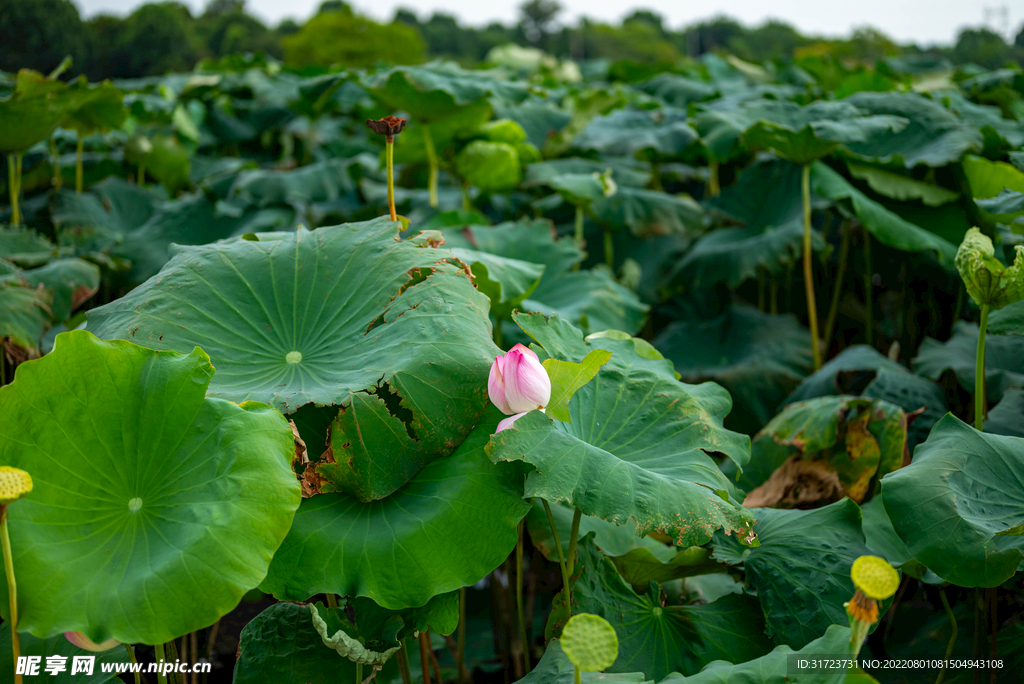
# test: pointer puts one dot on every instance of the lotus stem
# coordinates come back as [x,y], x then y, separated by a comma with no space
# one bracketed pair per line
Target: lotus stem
[467,201]
[812,310]
[773,295]
[403,663]
[561,558]
[359,673]
[576,676]
[12,586]
[58,180]
[579,233]
[952,637]
[869,292]
[79,175]
[713,189]
[574,535]
[390,145]
[979,372]
[609,249]
[161,676]
[332,600]
[131,658]
[993,607]
[428,141]
[425,657]
[460,656]
[523,641]
[12,189]
[760,287]
[142,176]
[837,291]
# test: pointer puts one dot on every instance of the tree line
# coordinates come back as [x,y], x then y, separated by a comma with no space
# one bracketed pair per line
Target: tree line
[165,36]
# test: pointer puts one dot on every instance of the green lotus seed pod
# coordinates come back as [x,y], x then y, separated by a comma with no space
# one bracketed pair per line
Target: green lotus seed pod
[874,577]
[589,642]
[14,483]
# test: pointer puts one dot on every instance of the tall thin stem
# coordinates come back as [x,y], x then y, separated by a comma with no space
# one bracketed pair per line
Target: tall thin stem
[390,145]
[609,249]
[837,288]
[713,187]
[979,372]
[131,657]
[773,295]
[812,309]
[332,600]
[403,663]
[760,287]
[12,189]
[952,637]
[574,535]
[561,558]
[12,586]
[869,292]
[428,141]
[161,676]
[524,643]
[79,175]
[58,180]
[461,655]
[579,233]
[359,673]
[425,657]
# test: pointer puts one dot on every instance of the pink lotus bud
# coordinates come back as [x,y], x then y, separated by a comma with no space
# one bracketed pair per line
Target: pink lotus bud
[527,386]
[84,642]
[496,385]
[507,423]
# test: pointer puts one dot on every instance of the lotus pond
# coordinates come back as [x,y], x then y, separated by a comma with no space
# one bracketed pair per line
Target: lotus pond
[429,374]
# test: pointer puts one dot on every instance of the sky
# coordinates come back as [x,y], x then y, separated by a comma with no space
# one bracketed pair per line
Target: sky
[921,21]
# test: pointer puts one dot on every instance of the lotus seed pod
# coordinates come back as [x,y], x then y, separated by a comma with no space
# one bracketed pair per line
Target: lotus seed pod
[589,642]
[874,577]
[987,280]
[14,484]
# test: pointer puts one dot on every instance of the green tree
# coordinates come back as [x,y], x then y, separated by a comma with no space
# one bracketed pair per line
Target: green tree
[717,33]
[352,41]
[156,38]
[38,34]
[982,47]
[537,19]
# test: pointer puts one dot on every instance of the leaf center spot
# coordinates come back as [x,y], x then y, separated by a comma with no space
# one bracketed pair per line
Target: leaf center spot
[657,611]
[134,505]
[293,357]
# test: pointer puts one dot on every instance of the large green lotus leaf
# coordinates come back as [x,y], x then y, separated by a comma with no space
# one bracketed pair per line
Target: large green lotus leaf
[856,440]
[678,90]
[989,178]
[60,646]
[25,247]
[935,136]
[455,521]
[801,570]
[72,281]
[999,133]
[639,560]
[435,90]
[591,299]
[805,134]
[281,645]
[774,667]
[767,199]
[411,147]
[635,425]
[652,134]
[341,316]
[35,108]
[848,373]
[531,241]
[1005,417]
[1004,208]
[659,639]
[113,204]
[490,166]
[625,172]
[163,157]
[147,492]
[538,117]
[319,182]
[506,282]
[759,358]
[887,226]
[102,109]
[649,212]
[556,668]
[881,538]
[957,502]
[901,187]
[24,314]
[579,188]
[1004,359]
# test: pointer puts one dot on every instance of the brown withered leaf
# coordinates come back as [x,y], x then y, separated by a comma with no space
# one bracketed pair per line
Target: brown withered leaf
[798,483]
